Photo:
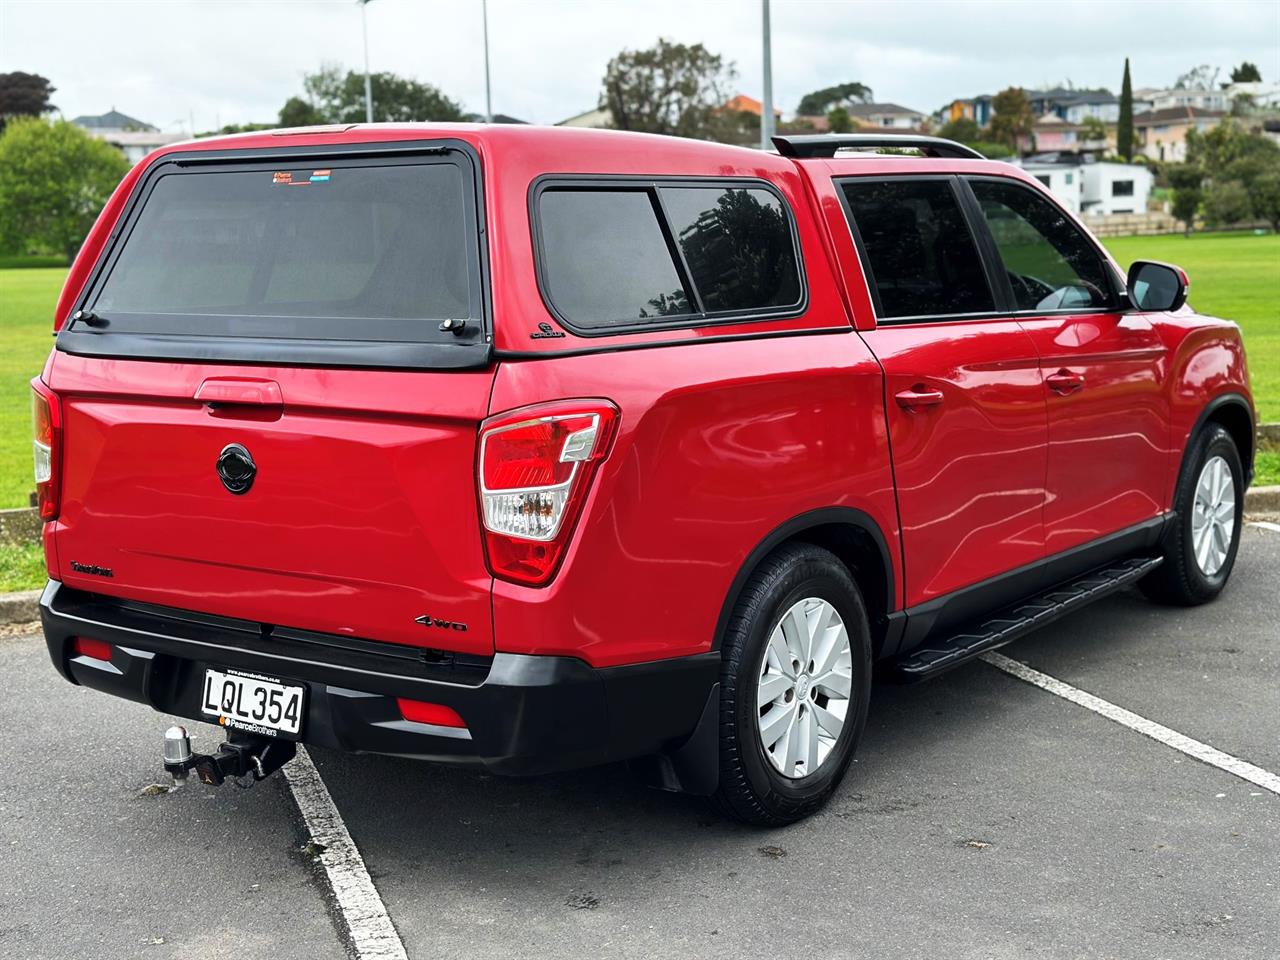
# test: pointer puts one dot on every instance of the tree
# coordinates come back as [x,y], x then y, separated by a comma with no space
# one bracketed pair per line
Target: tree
[670,88]
[1246,73]
[1203,77]
[54,179]
[297,112]
[335,97]
[1186,180]
[963,130]
[839,121]
[1011,118]
[818,102]
[1266,198]
[1227,202]
[24,95]
[1093,129]
[1124,126]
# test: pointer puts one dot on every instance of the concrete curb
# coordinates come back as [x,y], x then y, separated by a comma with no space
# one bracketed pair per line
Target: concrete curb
[21,607]
[1262,500]
[20,526]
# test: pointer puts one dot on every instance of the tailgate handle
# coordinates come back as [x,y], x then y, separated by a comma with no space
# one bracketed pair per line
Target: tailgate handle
[240,392]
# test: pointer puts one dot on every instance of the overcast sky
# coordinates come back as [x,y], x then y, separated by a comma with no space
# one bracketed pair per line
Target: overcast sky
[231,61]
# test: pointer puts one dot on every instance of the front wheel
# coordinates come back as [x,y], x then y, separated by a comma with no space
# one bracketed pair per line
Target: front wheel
[1201,548]
[795,683]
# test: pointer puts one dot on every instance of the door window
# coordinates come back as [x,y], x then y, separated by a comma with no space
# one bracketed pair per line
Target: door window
[1050,264]
[920,256]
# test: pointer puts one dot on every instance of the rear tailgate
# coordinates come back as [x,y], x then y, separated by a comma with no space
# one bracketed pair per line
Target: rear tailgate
[271,396]
[361,517]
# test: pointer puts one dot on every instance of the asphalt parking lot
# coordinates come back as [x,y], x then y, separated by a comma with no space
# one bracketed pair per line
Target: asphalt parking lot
[985,818]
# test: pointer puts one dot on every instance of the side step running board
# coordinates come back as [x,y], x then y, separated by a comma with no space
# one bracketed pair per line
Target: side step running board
[1020,619]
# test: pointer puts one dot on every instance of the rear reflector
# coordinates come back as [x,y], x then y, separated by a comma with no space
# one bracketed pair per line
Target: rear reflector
[94,649]
[436,713]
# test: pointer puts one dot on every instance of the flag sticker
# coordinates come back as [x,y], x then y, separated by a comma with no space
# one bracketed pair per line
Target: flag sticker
[319,176]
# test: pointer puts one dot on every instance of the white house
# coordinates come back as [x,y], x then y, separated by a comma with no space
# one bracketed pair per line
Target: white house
[597,117]
[889,116]
[134,138]
[1085,186]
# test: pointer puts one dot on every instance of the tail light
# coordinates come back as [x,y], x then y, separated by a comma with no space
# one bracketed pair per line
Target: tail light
[536,466]
[46,419]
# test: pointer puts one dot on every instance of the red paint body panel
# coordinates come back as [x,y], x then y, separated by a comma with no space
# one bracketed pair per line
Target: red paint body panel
[716,448]
[970,470]
[1109,436]
[365,515]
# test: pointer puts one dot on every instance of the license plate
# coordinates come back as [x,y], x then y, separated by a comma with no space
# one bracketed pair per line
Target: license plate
[253,703]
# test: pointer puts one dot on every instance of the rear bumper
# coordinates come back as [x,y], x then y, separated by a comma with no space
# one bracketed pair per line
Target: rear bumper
[524,714]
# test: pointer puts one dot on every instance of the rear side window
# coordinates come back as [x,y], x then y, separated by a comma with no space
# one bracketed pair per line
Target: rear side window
[921,258]
[370,260]
[614,257]
[606,259]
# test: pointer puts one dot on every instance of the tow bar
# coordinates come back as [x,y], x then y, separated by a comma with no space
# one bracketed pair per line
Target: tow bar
[243,755]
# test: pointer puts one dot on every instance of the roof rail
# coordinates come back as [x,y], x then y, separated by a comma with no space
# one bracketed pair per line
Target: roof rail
[826,145]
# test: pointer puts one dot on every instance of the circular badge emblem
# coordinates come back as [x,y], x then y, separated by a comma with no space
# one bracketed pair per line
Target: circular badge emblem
[236,468]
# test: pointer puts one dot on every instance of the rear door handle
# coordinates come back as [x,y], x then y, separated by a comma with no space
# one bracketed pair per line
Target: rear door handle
[1064,382]
[918,397]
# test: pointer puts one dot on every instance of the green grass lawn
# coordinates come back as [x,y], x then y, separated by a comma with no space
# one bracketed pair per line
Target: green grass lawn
[1234,276]
[21,566]
[27,299]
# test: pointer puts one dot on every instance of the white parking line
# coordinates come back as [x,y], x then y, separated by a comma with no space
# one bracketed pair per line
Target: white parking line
[1265,525]
[369,927]
[1171,738]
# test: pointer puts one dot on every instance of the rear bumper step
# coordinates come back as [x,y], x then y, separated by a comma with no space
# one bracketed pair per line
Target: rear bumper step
[1020,619]
[524,715]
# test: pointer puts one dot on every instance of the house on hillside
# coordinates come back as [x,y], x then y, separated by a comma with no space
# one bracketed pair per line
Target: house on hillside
[744,104]
[134,138]
[598,118]
[977,109]
[1162,134]
[1054,135]
[1087,186]
[1074,106]
[889,116]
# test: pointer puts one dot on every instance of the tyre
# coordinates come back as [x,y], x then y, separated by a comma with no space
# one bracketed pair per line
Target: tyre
[1200,549]
[794,686]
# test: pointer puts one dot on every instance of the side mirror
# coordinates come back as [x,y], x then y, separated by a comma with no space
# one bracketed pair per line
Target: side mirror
[1157,286]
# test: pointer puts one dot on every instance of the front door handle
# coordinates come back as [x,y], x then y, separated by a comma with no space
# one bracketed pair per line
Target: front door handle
[1064,382]
[918,397]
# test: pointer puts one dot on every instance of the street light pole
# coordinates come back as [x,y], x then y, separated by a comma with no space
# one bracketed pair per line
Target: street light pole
[488,100]
[368,86]
[766,112]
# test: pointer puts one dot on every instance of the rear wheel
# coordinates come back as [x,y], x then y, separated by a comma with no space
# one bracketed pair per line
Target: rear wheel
[794,687]
[1201,548]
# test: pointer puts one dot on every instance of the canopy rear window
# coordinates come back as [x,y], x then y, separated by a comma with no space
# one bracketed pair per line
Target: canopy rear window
[289,256]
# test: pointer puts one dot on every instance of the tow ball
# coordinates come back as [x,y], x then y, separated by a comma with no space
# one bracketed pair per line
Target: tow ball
[243,755]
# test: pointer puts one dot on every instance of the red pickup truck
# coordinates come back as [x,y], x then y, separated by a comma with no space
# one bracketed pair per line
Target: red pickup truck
[541,448]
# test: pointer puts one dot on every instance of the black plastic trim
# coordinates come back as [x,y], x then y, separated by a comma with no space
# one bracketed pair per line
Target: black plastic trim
[1212,407]
[811,145]
[559,181]
[524,714]
[613,347]
[844,516]
[927,620]
[475,351]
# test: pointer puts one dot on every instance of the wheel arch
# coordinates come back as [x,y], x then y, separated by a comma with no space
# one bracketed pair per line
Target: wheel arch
[856,540]
[1234,414]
